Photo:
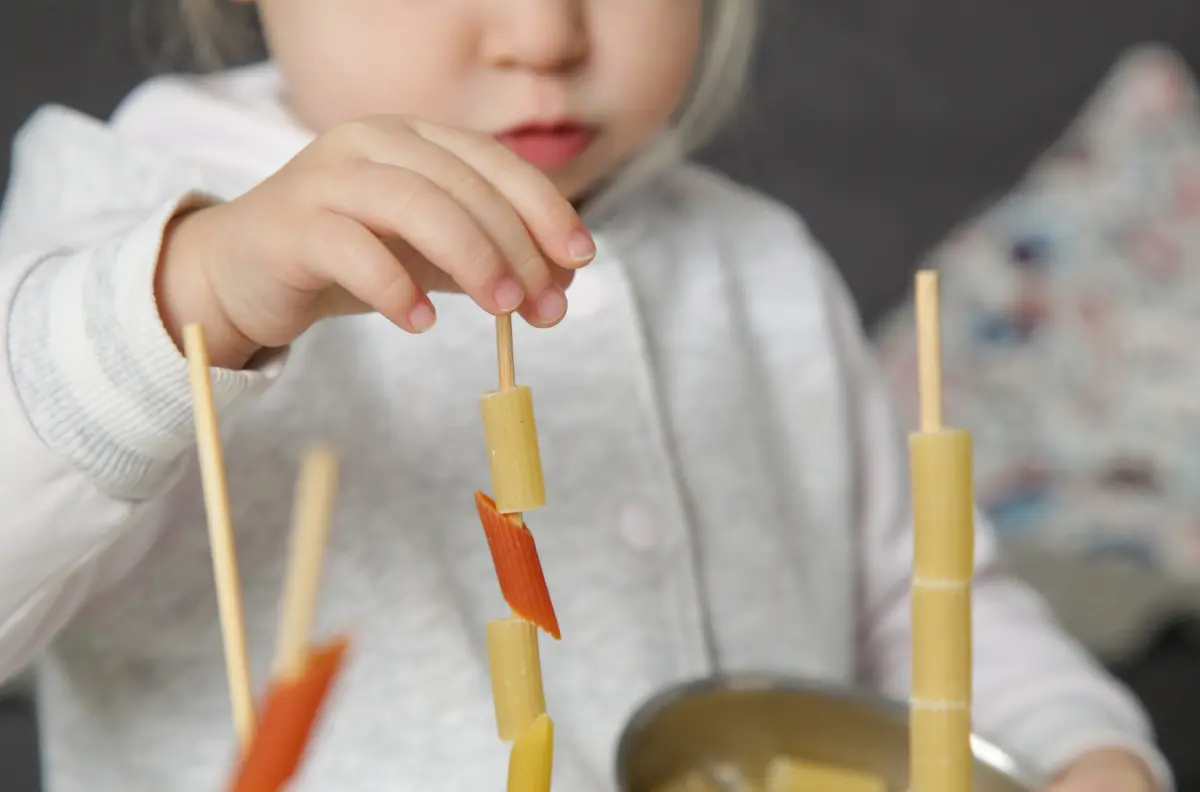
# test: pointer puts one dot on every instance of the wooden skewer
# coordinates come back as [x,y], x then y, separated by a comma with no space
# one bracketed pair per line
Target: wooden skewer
[506,362]
[220,530]
[504,352]
[943,567]
[929,350]
[315,493]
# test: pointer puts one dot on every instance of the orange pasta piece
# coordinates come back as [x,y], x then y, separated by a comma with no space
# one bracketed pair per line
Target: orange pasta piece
[515,557]
[286,723]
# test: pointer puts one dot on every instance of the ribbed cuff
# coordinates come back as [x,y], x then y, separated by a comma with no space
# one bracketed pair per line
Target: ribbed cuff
[98,375]
[1051,739]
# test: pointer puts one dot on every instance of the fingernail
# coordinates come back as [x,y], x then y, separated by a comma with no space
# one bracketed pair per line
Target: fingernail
[422,317]
[552,304]
[508,295]
[581,247]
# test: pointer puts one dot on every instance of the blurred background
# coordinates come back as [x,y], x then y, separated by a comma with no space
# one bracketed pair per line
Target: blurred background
[888,124]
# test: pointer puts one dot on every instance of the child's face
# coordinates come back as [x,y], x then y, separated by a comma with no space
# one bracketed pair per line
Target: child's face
[615,69]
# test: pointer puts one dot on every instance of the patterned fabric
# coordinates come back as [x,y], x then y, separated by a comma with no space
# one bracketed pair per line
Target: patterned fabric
[1071,327]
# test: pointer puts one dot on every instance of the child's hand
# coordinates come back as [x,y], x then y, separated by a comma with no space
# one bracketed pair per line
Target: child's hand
[1105,771]
[371,216]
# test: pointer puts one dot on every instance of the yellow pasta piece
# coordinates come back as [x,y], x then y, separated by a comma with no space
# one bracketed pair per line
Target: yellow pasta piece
[516,668]
[516,461]
[689,783]
[943,565]
[943,504]
[531,762]
[792,775]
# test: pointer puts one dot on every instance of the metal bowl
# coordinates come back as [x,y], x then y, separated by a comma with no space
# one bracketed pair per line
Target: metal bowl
[740,723]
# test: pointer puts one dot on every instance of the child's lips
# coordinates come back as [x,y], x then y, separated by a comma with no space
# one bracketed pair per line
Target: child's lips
[549,146]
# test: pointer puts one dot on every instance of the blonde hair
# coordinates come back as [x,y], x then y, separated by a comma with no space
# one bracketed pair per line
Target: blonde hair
[194,34]
[718,88]
[731,28]
[210,29]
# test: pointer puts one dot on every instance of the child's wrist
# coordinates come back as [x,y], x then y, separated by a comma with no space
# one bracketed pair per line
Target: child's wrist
[185,296]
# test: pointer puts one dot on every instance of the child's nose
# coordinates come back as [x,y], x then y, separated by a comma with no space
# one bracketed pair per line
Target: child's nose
[540,35]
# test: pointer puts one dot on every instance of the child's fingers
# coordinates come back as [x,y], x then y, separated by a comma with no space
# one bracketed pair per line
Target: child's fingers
[491,210]
[405,204]
[346,253]
[530,311]
[554,223]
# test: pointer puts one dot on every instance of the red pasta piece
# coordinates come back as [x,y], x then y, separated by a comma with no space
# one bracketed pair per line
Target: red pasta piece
[518,569]
[289,714]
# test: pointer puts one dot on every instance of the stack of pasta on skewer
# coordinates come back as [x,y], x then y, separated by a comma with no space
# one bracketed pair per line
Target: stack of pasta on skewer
[940,462]
[513,652]
[940,459]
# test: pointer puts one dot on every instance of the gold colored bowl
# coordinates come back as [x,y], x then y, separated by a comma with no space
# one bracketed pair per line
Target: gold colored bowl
[738,724]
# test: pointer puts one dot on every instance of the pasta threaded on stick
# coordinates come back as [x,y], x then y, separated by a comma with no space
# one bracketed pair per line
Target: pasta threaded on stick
[532,761]
[516,669]
[518,568]
[272,748]
[514,455]
[516,466]
[940,758]
[289,714]
[303,674]
[513,653]
[511,433]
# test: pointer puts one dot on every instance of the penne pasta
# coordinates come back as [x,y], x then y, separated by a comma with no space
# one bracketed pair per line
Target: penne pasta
[514,554]
[512,442]
[530,765]
[516,671]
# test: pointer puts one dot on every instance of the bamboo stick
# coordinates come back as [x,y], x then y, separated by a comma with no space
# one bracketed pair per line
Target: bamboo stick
[220,530]
[315,494]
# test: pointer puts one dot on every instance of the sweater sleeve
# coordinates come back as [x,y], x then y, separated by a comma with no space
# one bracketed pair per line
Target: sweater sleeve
[98,375]
[95,420]
[1036,692]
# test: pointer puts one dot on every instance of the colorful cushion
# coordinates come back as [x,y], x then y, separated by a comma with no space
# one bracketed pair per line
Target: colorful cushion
[1071,330]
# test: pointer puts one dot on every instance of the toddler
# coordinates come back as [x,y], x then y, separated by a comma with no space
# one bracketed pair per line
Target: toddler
[727,489]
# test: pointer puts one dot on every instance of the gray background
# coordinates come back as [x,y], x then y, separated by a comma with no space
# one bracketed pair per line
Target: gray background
[884,122]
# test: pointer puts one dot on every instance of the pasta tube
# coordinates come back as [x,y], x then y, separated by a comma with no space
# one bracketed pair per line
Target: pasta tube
[943,565]
[518,568]
[288,717]
[513,452]
[516,669]
[531,762]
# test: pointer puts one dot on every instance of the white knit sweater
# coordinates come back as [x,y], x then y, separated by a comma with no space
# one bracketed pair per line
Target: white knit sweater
[726,487]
